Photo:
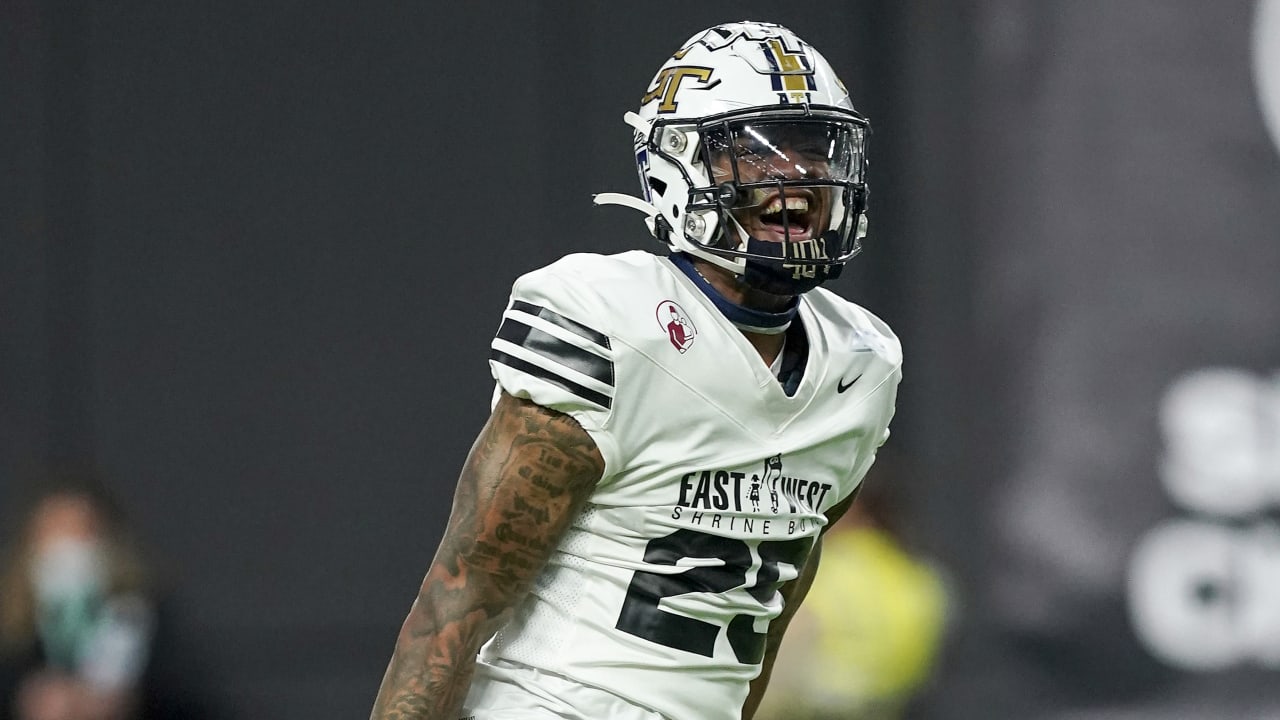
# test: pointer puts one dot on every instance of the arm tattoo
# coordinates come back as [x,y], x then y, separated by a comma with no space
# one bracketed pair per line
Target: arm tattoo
[527,477]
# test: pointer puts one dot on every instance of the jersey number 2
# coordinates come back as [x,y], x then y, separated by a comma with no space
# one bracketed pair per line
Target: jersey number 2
[642,617]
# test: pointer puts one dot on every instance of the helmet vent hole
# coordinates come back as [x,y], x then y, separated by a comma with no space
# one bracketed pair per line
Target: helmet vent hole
[675,211]
[658,186]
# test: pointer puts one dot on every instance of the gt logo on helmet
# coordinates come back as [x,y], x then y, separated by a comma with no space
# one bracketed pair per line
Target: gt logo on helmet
[667,84]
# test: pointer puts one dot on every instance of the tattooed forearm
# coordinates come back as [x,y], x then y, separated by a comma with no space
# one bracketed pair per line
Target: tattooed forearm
[526,478]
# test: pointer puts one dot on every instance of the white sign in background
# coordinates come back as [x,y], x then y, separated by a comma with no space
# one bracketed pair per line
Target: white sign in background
[1266,64]
[1204,588]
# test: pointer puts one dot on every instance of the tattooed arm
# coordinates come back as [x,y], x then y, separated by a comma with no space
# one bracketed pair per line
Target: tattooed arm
[528,475]
[792,595]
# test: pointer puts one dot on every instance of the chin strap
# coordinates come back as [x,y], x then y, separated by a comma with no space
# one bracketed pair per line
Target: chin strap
[652,219]
[643,128]
[635,203]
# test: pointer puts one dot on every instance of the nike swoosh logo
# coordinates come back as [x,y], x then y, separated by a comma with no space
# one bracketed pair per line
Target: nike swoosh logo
[841,385]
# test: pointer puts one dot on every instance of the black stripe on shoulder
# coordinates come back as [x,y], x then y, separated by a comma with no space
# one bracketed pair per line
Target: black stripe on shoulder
[553,348]
[556,318]
[529,368]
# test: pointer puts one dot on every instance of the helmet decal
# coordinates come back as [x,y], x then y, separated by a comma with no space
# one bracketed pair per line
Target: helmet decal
[642,166]
[722,36]
[792,74]
[667,85]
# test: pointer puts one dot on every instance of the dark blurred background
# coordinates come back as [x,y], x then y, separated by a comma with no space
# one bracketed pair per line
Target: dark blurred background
[252,254]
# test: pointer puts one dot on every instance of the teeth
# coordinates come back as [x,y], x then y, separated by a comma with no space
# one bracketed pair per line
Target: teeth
[798,204]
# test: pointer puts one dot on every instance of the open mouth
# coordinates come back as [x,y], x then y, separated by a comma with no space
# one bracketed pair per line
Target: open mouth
[787,218]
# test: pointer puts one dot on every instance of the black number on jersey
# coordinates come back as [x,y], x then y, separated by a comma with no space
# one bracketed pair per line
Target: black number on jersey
[642,617]
[748,644]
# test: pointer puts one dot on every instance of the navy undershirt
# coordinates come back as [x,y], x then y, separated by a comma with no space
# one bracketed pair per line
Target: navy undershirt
[795,351]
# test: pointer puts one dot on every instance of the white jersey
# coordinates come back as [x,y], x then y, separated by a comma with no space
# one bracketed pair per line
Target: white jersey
[715,484]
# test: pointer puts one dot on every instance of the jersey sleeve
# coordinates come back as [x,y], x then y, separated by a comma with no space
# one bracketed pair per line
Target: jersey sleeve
[883,400]
[553,348]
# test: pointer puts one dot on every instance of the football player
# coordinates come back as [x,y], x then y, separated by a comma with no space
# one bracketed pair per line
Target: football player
[608,555]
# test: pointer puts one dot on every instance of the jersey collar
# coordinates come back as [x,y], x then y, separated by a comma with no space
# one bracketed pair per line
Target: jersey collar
[744,318]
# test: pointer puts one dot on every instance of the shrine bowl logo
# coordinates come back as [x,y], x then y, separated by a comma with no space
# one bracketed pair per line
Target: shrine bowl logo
[675,322]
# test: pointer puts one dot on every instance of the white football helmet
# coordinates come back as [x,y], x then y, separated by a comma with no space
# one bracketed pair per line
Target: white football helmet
[752,157]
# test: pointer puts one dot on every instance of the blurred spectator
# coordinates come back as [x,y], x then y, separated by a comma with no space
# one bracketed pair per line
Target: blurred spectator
[77,611]
[865,640]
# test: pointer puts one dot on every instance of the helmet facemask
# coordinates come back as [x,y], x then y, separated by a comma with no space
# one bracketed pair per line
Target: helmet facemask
[781,194]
